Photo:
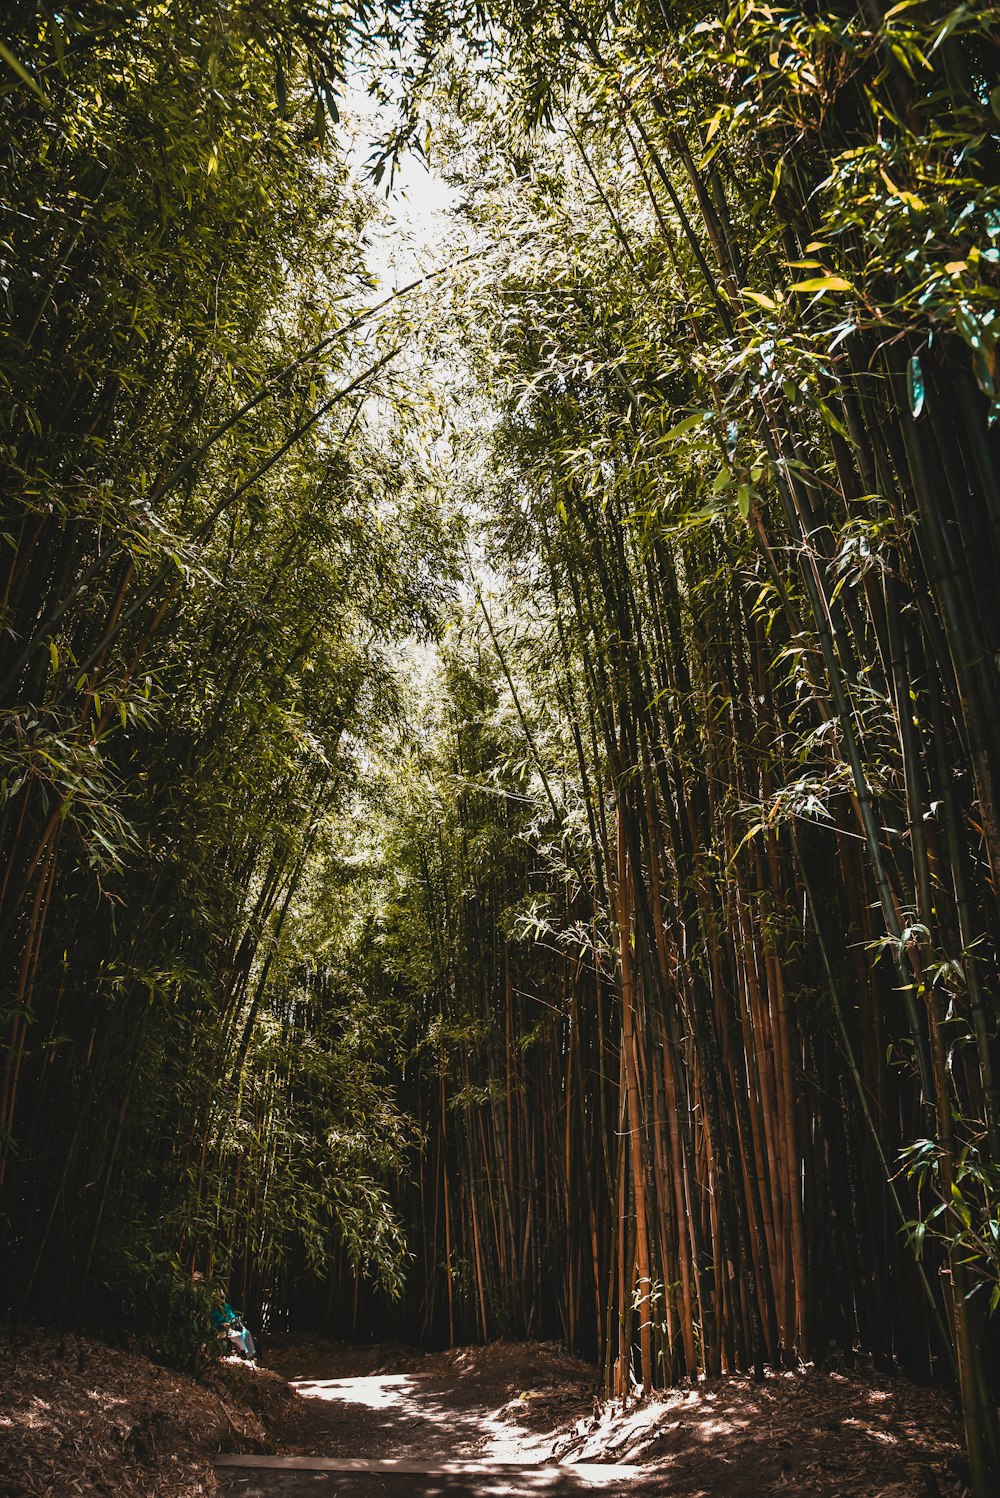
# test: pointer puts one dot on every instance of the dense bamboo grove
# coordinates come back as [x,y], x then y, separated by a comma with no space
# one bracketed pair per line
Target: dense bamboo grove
[750,510]
[202,581]
[663,887]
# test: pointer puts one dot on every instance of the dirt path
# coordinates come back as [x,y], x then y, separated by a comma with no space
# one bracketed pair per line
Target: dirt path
[439,1427]
[80,1417]
[520,1420]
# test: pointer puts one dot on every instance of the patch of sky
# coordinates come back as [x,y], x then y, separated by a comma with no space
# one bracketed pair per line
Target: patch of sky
[411,237]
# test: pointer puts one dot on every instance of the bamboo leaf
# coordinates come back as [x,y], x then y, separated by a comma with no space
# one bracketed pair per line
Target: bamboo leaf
[761,300]
[687,425]
[956,17]
[834,421]
[908,198]
[822,283]
[23,74]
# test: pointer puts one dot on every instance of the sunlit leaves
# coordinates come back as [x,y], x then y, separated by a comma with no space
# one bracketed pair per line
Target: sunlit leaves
[211,548]
[822,284]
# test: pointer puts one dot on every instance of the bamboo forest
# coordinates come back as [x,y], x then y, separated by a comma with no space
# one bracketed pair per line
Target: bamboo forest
[500,751]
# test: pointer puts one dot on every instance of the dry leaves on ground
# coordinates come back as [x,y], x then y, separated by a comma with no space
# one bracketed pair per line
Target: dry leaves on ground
[80,1417]
[77,1416]
[805,1434]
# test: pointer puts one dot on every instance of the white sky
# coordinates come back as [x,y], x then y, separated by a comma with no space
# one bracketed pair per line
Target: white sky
[411,239]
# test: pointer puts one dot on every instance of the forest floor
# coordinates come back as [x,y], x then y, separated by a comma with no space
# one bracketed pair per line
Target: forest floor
[77,1417]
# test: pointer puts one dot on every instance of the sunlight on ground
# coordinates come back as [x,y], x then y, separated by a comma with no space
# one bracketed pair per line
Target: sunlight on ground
[509,1442]
[376,1392]
[873,1432]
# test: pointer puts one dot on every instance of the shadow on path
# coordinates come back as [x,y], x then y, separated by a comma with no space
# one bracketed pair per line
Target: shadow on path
[393,1435]
[399,1415]
[513,1422]
[499,1482]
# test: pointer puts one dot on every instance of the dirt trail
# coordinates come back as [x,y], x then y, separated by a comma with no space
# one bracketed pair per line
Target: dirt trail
[444,1425]
[517,1420]
[501,1403]
[81,1417]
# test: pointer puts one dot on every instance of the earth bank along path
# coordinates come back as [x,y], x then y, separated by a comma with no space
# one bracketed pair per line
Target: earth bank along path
[514,1419]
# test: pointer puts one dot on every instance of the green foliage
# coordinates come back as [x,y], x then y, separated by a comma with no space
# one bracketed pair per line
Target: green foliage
[741,508]
[161,1304]
[965,1215]
[215,529]
[705,772]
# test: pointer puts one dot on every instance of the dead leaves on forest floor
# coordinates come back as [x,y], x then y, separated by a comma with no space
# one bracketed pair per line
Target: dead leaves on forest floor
[79,1417]
[807,1434]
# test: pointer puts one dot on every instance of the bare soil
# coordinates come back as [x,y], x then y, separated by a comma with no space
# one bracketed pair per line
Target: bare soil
[77,1417]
